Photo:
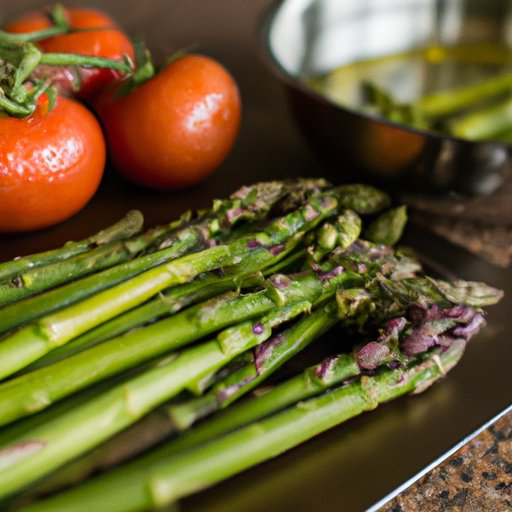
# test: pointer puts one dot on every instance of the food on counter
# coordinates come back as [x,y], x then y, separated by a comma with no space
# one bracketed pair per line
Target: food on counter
[461,91]
[175,127]
[227,296]
[165,128]
[70,30]
[51,164]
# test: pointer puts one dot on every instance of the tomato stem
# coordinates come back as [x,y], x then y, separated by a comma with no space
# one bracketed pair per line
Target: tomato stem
[13,108]
[18,61]
[73,59]
[36,35]
[144,68]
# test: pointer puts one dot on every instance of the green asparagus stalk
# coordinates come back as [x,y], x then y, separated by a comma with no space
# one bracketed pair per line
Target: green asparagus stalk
[248,273]
[34,341]
[357,306]
[386,105]
[22,312]
[45,277]
[483,124]
[52,444]
[454,323]
[161,336]
[388,227]
[272,354]
[445,103]
[10,433]
[128,225]
[145,487]
[247,204]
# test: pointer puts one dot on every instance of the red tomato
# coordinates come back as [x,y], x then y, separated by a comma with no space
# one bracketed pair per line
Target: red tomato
[51,164]
[108,41]
[175,129]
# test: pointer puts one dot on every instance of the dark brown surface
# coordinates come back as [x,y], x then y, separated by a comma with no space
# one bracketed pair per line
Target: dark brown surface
[355,465]
[482,225]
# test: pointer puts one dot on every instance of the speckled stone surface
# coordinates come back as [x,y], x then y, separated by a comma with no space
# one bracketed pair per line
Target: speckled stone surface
[477,478]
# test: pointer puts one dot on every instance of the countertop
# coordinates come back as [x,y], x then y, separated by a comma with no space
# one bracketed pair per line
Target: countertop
[477,477]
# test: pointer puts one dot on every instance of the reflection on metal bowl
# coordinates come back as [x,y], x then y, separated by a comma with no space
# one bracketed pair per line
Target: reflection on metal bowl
[303,39]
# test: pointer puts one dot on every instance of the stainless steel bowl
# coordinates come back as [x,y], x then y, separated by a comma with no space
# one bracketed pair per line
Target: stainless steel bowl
[306,38]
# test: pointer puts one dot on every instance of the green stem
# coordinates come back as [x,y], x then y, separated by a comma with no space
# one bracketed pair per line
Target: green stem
[34,280]
[13,108]
[483,124]
[449,102]
[137,487]
[38,389]
[131,222]
[51,445]
[36,35]
[171,301]
[274,353]
[34,341]
[29,309]
[73,59]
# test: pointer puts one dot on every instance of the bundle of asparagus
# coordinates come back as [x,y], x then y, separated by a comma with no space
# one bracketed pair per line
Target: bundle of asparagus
[191,318]
[478,111]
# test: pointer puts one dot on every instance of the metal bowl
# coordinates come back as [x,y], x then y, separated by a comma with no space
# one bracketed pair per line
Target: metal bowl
[302,39]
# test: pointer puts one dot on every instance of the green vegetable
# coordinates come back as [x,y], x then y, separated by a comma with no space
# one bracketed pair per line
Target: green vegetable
[147,487]
[197,315]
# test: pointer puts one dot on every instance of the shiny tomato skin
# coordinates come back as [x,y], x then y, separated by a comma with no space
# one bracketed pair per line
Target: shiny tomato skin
[108,41]
[175,129]
[51,164]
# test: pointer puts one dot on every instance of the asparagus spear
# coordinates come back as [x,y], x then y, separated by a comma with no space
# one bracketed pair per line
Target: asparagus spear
[137,488]
[388,227]
[128,225]
[343,232]
[483,124]
[428,319]
[452,324]
[161,336]
[444,103]
[247,274]
[248,203]
[52,444]
[45,277]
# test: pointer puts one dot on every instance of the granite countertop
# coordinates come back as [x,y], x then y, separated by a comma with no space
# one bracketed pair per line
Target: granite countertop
[476,478]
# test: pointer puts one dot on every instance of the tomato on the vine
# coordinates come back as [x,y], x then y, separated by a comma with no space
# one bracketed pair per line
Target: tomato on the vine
[107,41]
[51,164]
[176,128]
